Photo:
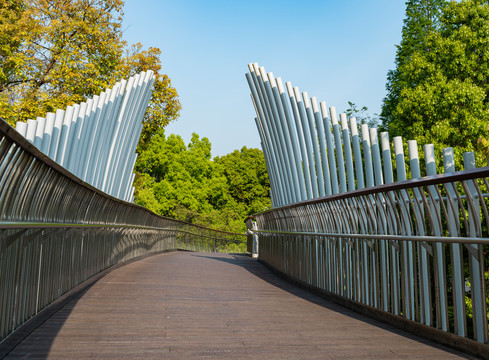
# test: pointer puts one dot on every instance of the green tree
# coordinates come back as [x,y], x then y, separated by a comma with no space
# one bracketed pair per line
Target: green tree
[55,53]
[182,181]
[422,18]
[446,99]
[10,16]
[247,176]
[65,51]
[164,105]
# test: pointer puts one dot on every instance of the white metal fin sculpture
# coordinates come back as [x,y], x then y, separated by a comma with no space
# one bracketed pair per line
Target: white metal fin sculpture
[311,153]
[96,140]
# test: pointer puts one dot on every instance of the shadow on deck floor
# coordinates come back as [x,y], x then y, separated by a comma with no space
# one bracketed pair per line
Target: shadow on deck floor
[185,305]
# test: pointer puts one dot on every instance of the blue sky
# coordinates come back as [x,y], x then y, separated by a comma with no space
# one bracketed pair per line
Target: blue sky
[338,51]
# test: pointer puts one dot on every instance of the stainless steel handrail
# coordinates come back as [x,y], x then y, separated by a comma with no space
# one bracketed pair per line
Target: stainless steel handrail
[416,248]
[57,231]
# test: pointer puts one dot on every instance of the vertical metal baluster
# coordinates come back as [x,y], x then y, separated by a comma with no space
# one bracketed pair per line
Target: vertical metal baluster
[351,186]
[360,184]
[407,263]
[371,283]
[438,248]
[476,256]
[456,249]
[392,212]
[425,292]
[382,221]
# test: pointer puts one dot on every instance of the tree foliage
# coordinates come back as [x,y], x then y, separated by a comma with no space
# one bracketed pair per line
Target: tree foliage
[164,105]
[55,53]
[182,181]
[444,94]
[362,116]
[422,18]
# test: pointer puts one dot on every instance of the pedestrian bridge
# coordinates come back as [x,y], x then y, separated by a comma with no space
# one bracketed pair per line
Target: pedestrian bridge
[191,305]
[84,274]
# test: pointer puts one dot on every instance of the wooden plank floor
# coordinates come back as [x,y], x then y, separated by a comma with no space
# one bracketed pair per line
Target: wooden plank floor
[186,305]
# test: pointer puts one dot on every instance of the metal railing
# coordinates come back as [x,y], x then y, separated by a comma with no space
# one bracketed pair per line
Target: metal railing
[57,231]
[416,248]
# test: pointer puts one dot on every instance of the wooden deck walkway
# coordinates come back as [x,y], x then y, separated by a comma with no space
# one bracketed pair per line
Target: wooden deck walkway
[186,305]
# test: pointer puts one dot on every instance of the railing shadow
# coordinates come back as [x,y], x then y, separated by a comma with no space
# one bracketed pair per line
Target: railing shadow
[58,312]
[263,272]
[61,312]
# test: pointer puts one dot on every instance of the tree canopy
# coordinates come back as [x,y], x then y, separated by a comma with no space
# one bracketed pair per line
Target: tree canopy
[422,18]
[443,91]
[55,53]
[183,182]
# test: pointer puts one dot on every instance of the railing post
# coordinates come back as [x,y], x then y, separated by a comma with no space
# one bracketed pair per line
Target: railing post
[438,248]
[476,257]
[254,227]
[419,215]
[407,260]
[455,248]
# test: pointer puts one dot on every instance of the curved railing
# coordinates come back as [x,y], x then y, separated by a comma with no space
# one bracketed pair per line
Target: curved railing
[416,249]
[413,251]
[57,231]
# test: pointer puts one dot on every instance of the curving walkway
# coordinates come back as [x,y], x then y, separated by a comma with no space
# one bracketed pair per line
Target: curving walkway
[184,305]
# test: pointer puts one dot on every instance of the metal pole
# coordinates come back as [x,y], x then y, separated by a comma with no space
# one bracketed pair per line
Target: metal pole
[264,118]
[322,145]
[294,140]
[273,134]
[330,147]
[348,155]
[339,151]
[389,178]
[58,124]
[275,121]
[255,253]
[65,132]
[307,141]
[438,248]
[407,262]
[315,144]
[285,136]
[266,144]
[424,276]
[476,257]
[302,143]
